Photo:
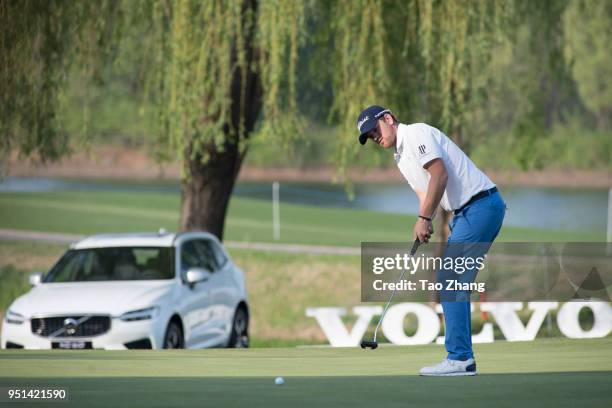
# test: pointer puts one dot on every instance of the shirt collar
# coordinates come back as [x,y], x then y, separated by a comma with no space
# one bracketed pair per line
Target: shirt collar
[399,139]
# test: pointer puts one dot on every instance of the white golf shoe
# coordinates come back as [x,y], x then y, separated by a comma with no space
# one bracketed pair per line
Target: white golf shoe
[449,368]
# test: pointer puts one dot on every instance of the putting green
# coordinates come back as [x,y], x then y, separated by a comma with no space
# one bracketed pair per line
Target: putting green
[556,373]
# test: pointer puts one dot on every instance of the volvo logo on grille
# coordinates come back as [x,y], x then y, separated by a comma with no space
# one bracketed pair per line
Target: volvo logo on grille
[70,325]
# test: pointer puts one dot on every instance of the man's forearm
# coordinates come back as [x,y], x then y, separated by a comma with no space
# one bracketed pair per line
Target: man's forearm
[435,191]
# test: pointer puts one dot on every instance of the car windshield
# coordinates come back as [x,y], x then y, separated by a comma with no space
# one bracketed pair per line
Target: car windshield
[113,264]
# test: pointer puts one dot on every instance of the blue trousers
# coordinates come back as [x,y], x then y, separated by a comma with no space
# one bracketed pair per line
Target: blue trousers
[473,230]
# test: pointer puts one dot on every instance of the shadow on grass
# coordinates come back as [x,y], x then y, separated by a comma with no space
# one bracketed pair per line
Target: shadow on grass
[566,389]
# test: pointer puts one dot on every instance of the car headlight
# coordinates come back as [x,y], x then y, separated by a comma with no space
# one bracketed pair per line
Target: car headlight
[140,314]
[14,318]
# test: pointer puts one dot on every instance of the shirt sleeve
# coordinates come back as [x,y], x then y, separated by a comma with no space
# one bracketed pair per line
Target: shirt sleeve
[425,146]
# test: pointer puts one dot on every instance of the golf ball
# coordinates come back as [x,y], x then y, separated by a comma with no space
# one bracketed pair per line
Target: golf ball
[279,381]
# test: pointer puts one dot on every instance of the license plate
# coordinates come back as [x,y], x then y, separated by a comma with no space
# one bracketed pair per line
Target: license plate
[71,345]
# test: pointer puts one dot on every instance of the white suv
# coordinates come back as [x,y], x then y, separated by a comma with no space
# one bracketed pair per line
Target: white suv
[134,291]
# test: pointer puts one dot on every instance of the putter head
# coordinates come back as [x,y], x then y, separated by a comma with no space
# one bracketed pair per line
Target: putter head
[368,344]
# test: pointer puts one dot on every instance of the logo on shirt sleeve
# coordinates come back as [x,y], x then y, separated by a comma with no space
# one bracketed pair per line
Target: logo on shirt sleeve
[422,149]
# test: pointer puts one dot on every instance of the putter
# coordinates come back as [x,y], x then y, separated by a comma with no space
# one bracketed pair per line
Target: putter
[374,344]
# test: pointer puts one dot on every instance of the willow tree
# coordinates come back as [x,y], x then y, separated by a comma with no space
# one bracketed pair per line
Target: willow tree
[454,42]
[209,63]
[220,69]
[418,56]
[40,41]
[539,76]
[588,32]
[215,66]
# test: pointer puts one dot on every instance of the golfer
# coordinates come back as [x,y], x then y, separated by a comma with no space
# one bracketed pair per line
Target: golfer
[441,174]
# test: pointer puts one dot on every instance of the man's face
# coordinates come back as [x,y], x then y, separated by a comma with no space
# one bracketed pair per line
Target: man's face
[383,134]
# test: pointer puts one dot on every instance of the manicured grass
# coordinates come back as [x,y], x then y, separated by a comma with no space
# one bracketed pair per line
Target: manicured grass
[248,219]
[544,373]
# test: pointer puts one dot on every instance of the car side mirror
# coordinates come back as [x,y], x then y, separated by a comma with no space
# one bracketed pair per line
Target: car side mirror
[195,275]
[36,278]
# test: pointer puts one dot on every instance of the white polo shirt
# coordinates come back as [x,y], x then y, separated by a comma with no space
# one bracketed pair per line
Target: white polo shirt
[418,144]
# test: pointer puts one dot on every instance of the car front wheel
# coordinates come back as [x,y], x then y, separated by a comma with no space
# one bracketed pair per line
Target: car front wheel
[174,336]
[239,337]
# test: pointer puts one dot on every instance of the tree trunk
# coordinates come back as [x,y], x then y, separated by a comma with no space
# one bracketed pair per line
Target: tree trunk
[207,188]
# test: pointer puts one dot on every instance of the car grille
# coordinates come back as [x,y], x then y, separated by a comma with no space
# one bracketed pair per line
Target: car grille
[93,326]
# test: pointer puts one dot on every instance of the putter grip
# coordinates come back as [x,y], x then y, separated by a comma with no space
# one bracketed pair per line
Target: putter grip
[415,246]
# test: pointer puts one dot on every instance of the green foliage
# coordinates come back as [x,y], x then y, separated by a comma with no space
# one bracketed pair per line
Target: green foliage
[116,114]
[588,28]
[312,150]
[474,68]
[203,55]
[281,32]
[200,46]
[39,41]
[530,94]
[359,61]
[456,40]
[542,47]
[570,145]
[195,53]
[14,283]
[200,68]
[418,59]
